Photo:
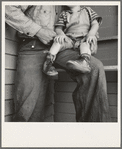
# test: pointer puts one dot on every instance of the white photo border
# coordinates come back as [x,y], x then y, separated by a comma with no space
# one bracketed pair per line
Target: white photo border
[61,134]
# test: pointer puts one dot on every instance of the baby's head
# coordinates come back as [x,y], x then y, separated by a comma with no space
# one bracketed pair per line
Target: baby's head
[68,7]
[72,6]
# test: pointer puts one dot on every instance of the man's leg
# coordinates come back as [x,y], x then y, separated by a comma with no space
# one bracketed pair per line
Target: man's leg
[30,88]
[90,95]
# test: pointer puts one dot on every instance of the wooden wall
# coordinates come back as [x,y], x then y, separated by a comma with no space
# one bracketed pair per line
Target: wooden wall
[107,53]
[11,46]
[64,87]
[11,52]
[107,45]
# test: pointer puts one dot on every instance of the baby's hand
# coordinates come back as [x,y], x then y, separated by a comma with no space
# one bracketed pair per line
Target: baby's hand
[60,38]
[91,38]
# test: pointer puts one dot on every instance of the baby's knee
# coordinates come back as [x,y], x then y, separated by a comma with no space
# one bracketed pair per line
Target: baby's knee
[84,47]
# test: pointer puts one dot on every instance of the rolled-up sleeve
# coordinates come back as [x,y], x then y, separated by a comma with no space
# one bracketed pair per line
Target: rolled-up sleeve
[15,17]
[94,16]
[62,19]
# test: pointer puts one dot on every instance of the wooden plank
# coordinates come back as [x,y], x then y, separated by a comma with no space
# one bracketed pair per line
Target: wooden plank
[113,119]
[49,110]
[64,108]
[111,74]
[111,69]
[63,97]
[105,10]
[9,76]
[9,91]
[108,31]
[113,111]
[8,118]
[63,76]
[70,86]
[68,108]
[108,44]
[9,107]
[107,54]
[108,38]
[112,88]
[49,119]
[110,20]
[109,62]
[67,98]
[112,99]
[65,86]
[10,62]
[11,47]
[61,117]
[10,33]
[113,10]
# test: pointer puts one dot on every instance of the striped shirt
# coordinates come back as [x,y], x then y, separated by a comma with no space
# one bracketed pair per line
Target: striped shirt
[80,24]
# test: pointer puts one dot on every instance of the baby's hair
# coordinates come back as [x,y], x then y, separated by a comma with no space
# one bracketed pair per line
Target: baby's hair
[65,8]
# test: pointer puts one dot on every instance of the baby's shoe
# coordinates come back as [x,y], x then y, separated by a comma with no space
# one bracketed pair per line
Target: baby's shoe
[48,68]
[81,65]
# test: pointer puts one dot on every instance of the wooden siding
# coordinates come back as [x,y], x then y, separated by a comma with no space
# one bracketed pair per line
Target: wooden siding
[64,87]
[107,52]
[107,49]
[11,52]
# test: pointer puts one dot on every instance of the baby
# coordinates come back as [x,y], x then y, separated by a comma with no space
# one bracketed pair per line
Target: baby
[77,28]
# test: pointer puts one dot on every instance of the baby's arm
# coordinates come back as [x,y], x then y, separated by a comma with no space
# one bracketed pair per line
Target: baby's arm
[91,35]
[59,30]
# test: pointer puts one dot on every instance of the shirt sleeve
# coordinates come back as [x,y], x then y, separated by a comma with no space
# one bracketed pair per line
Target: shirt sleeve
[62,19]
[94,16]
[15,17]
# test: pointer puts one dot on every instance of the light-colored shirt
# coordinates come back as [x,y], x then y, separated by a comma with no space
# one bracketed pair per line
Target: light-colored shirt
[29,19]
[77,24]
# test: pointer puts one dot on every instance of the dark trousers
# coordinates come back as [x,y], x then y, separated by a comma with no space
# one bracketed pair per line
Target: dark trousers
[90,95]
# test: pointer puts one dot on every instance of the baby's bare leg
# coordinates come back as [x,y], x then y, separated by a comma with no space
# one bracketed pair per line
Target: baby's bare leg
[48,67]
[55,48]
[85,48]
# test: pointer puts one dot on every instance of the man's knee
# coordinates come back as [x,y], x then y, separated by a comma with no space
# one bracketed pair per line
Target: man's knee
[96,63]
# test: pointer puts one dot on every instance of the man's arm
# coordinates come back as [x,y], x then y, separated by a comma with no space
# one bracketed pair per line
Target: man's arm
[15,17]
[61,36]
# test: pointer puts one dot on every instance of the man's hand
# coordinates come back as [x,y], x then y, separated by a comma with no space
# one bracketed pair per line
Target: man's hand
[45,35]
[61,38]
